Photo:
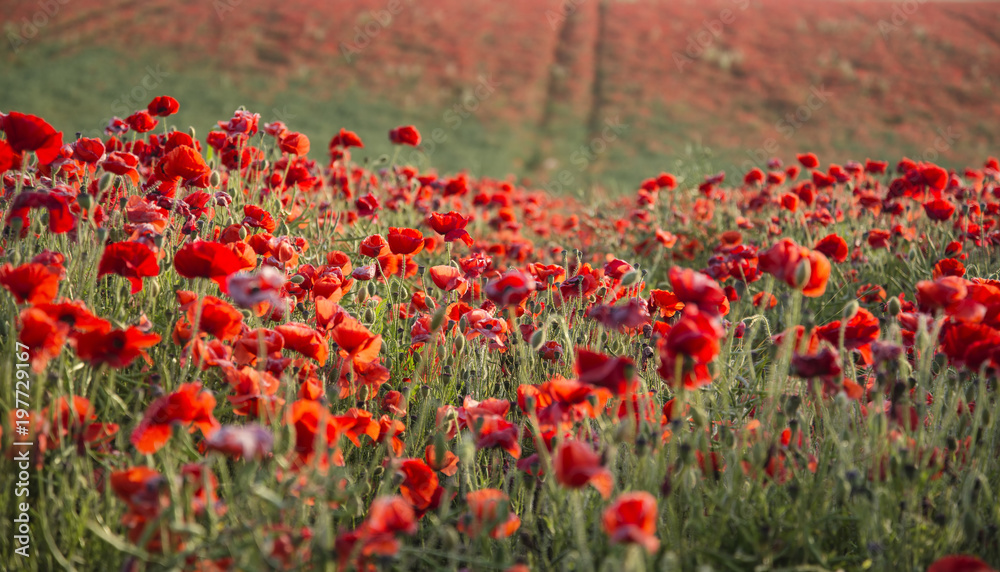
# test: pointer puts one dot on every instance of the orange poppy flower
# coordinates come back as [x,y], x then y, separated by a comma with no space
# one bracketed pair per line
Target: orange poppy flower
[577,465]
[632,519]
[32,282]
[189,406]
[488,512]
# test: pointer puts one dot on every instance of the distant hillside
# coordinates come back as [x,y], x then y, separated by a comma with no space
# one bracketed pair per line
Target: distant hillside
[723,82]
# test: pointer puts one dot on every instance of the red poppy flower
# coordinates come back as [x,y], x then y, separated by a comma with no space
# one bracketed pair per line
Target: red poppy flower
[186,164]
[243,122]
[31,133]
[305,340]
[217,318]
[190,406]
[141,121]
[142,489]
[405,135]
[632,519]
[948,267]
[449,278]
[786,261]
[61,218]
[408,241]
[74,417]
[88,150]
[203,259]
[495,431]
[9,159]
[616,374]
[834,247]
[878,238]
[577,465]
[862,329]
[163,106]
[345,139]
[451,226]
[666,302]
[420,485]
[488,512]
[294,143]
[356,342]
[374,246]
[695,288]
[511,289]
[130,260]
[824,364]
[445,463]
[116,348]
[939,209]
[43,336]
[959,563]
[32,282]
[808,160]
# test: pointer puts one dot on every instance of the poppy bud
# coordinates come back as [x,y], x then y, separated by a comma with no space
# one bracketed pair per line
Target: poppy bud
[631,278]
[122,202]
[438,320]
[105,182]
[459,343]
[102,233]
[363,393]
[894,306]
[538,339]
[243,232]
[192,132]
[215,179]
[802,274]
[369,315]
[297,279]
[851,309]
[85,200]
[372,289]
[431,304]
[440,353]
[602,292]
[362,295]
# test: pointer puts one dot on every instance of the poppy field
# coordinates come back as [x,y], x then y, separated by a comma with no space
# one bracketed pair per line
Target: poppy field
[243,350]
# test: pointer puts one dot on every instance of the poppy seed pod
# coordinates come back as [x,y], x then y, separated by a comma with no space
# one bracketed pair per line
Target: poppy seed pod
[105,182]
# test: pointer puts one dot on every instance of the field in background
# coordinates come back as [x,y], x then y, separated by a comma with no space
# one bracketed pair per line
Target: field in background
[691,86]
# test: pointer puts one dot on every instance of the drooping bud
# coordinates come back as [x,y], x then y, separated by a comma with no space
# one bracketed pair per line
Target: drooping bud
[851,309]
[802,274]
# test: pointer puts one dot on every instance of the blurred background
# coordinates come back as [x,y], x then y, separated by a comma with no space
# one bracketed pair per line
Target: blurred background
[567,94]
